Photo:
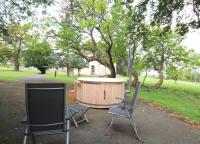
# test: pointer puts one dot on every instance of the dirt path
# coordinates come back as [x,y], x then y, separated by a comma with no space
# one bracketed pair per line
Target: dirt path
[154,126]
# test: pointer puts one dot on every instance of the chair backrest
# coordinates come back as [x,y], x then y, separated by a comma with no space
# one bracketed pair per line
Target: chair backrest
[136,93]
[45,106]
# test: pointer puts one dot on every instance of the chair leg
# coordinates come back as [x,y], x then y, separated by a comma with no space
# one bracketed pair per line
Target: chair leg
[112,120]
[84,115]
[86,118]
[67,135]
[25,139]
[25,135]
[33,138]
[74,120]
[134,128]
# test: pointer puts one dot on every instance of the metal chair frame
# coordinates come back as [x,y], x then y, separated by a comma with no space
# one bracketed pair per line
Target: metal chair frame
[65,124]
[81,109]
[126,110]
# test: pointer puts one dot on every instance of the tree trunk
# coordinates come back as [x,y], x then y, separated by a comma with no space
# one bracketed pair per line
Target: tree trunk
[160,72]
[17,56]
[42,70]
[135,78]
[112,67]
[161,77]
[175,79]
[79,71]
[16,61]
[68,70]
[112,72]
[146,74]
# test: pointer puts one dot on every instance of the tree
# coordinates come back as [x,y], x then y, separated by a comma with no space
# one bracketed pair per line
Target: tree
[14,11]
[175,73]
[69,60]
[135,36]
[162,12]
[163,50]
[5,53]
[16,41]
[101,24]
[39,55]
[69,40]
[79,63]
[195,64]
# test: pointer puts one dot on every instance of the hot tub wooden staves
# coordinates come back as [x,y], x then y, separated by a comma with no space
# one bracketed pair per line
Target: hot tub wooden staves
[99,92]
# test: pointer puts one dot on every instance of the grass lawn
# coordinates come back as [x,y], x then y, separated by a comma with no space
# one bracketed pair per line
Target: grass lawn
[7,74]
[182,97]
[60,77]
[190,87]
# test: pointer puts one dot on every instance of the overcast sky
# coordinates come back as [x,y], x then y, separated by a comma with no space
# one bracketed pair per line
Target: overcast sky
[192,40]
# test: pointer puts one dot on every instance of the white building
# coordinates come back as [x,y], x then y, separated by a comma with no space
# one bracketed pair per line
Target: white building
[95,69]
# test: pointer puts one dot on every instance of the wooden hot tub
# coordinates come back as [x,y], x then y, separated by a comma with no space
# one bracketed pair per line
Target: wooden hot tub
[99,92]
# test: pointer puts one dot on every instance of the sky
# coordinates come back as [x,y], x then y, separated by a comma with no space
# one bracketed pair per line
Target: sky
[192,40]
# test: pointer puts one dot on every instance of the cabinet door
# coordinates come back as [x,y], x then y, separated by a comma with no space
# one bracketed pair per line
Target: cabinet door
[112,92]
[107,96]
[92,93]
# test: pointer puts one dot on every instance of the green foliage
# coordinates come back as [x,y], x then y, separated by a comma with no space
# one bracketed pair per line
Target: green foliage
[191,75]
[12,11]
[139,64]
[78,62]
[39,55]
[17,33]
[163,49]
[122,66]
[70,60]
[69,38]
[101,26]
[175,73]
[195,61]
[162,13]
[5,54]
[15,41]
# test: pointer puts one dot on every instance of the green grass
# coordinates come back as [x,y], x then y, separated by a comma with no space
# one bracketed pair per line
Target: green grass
[8,75]
[187,104]
[182,97]
[186,86]
[60,77]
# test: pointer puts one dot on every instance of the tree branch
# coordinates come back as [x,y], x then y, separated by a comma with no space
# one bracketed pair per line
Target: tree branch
[102,35]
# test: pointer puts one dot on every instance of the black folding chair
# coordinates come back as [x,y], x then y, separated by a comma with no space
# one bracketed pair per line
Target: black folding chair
[126,110]
[80,109]
[45,110]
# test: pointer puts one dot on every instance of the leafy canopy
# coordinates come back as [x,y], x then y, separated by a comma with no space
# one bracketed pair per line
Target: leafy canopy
[39,55]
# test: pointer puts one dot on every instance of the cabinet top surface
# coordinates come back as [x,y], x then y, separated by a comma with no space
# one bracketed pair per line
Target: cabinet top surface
[97,79]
